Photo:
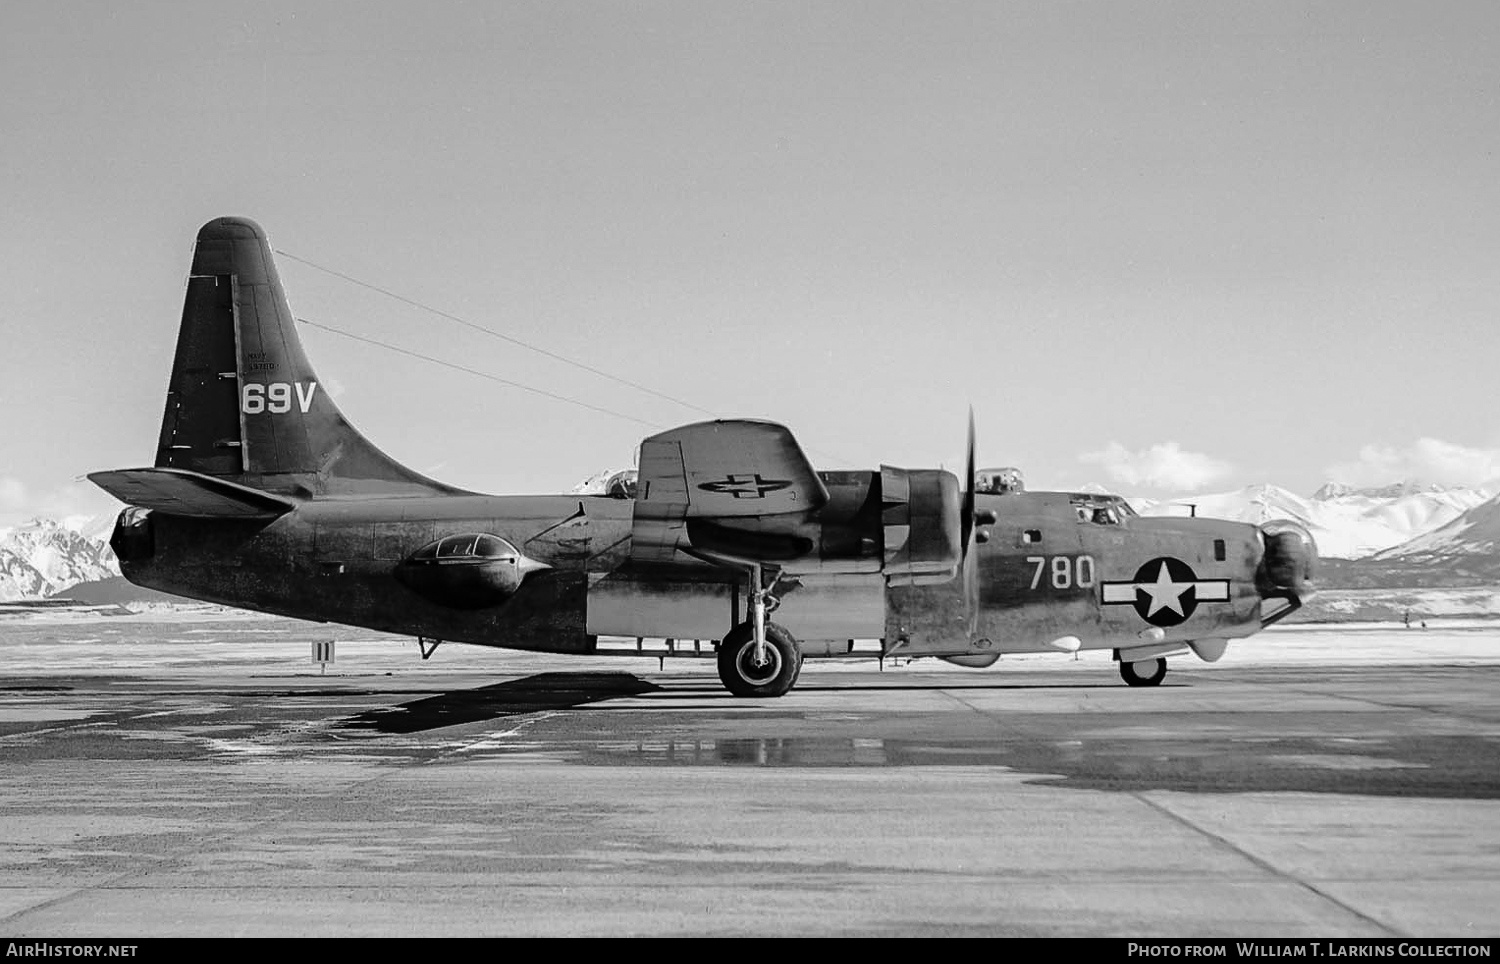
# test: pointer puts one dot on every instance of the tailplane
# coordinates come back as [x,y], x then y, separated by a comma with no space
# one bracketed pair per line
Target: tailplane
[243,403]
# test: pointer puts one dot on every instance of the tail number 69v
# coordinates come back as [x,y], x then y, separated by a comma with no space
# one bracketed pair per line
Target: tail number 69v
[277,397]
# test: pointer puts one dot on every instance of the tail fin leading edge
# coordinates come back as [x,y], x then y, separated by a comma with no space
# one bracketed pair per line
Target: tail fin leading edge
[243,402]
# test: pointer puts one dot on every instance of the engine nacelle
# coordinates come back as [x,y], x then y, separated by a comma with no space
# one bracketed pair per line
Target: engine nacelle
[921,511]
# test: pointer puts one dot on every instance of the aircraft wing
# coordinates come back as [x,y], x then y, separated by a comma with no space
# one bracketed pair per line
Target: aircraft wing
[706,477]
[180,492]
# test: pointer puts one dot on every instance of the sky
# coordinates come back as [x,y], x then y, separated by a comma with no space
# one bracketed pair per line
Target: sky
[1162,247]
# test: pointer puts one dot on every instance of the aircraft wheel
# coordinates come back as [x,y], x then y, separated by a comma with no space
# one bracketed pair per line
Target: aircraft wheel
[1144,672]
[737,667]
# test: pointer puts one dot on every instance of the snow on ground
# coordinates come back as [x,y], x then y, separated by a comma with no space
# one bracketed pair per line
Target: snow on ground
[250,646]
[1395,605]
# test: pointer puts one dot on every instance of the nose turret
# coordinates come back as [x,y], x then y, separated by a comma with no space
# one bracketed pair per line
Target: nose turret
[1286,568]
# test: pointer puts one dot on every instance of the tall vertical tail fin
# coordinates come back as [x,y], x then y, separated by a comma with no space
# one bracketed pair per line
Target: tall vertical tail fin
[244,404]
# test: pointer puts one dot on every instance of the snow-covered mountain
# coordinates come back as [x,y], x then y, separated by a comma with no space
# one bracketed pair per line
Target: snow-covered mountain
[44,556]
[1347,523]
[1472,539]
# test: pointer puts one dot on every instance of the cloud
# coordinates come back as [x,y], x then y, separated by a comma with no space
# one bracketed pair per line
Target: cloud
[1425,460]
[77,498]
[18,503]
[1162,466]
[12,494]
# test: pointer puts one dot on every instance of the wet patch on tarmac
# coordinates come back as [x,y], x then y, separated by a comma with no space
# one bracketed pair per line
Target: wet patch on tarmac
[1452,766]
[1463,767]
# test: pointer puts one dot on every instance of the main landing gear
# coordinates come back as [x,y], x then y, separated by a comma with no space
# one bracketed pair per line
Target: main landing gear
[758,658]
[772,674]
[1143,672]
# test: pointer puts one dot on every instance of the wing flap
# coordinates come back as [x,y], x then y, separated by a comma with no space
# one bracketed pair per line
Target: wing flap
[184,493]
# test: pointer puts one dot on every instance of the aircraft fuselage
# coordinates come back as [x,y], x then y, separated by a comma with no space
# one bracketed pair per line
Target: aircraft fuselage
[1041,574]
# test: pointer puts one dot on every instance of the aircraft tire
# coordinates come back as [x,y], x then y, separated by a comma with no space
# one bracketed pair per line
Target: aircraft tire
[775,679]
[1133,676]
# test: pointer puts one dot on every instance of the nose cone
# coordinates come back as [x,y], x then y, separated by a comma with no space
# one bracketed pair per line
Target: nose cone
[1286,569]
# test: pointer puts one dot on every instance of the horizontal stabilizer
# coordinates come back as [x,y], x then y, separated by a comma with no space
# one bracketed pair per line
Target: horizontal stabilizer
[184,493]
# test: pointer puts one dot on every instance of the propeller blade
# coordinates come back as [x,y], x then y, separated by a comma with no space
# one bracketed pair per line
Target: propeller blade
[970,566]
[966,513]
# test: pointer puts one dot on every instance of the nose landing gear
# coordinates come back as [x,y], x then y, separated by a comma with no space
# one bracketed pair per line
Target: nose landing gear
[1143,672]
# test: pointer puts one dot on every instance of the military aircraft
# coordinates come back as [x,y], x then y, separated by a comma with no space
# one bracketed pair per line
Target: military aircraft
[728,544]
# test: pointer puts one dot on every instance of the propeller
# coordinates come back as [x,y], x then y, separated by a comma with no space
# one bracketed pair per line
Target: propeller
[968,568]
[966,511]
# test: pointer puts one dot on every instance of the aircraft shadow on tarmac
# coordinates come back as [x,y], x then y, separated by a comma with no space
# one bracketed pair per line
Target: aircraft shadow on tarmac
[934,685]
[682,691]
[531,694]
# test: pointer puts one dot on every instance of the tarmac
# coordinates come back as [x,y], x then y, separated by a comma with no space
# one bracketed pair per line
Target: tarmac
[196,775]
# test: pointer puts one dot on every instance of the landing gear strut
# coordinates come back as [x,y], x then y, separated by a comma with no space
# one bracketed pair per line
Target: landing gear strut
[759,658]
[1143,672]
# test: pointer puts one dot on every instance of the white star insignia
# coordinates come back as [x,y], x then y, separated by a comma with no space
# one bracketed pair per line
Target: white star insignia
[1164,593]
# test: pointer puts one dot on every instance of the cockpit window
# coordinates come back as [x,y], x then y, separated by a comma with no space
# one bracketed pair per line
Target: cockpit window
[1101,510]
